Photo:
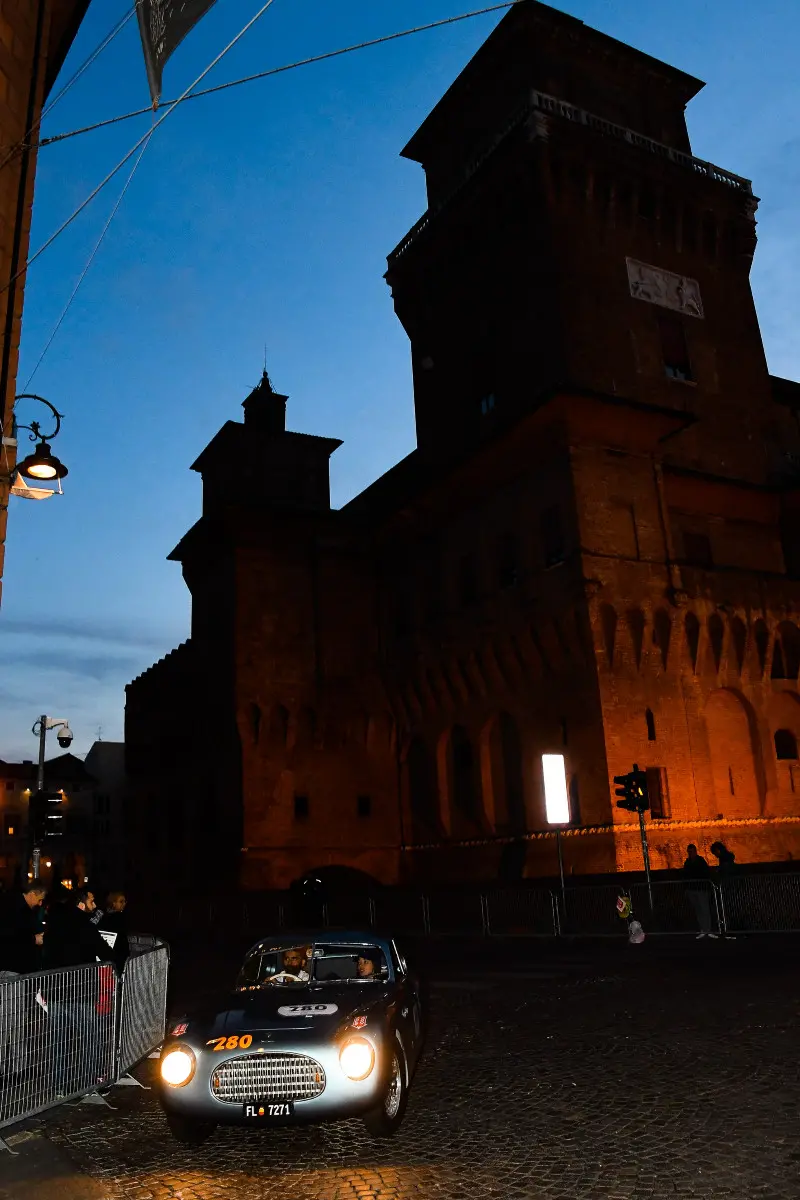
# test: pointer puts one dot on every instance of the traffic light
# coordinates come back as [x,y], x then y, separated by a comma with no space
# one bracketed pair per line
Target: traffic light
[46,815]
[633,790]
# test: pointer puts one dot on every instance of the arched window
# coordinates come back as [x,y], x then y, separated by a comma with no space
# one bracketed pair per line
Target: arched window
[465,790]
[739,636]
[662,630]
[422,788]
[785,744]
[716,634]
[651,725]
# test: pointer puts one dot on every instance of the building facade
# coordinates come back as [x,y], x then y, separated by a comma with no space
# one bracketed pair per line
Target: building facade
[35,36]
[594,549]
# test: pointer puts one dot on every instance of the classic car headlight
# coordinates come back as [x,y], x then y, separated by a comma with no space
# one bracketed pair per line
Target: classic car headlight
[177,1067]
[357,1058]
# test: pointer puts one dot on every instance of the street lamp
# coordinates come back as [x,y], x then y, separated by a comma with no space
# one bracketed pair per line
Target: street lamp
[64,737]
[556,804]
[41,463]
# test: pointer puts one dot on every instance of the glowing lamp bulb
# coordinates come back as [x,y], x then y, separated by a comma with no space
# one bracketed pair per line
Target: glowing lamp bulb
[357,1058]
[177,1067]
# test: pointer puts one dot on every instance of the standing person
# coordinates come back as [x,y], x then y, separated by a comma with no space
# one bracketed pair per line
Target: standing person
[20,939]
[114,923]
[730,890]
[698,875]
[79,1004]
[20,953]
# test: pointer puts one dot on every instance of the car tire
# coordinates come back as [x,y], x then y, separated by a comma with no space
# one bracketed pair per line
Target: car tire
[385,1119]
[188,1130]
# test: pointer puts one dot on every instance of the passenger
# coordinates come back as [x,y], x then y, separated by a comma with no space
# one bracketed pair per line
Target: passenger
[365,967]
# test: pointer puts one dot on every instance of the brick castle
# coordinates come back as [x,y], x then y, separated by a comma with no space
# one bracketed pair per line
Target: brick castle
[594,549]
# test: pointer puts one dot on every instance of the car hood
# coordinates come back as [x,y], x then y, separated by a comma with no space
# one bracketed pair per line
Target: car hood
[317,1010]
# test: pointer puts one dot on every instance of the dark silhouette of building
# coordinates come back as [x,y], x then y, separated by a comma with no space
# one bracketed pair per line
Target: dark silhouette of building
[593,551]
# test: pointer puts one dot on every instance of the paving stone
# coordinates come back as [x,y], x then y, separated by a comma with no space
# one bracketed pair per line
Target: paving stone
[656,1085]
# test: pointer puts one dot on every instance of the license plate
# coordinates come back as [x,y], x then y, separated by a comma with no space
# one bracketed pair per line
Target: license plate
[272,1110]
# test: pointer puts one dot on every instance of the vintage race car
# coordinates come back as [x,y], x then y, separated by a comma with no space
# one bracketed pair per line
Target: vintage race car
[318,1026]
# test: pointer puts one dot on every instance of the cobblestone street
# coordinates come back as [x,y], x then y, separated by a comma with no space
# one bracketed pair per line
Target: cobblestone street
[607,1075]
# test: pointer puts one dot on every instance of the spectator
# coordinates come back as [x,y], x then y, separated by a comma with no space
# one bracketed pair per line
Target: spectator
[70,939]
[698,873]
[113,925]
[726,860]
[20,938]
[78,1005]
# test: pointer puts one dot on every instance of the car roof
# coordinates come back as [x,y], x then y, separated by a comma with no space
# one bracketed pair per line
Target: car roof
[295,937]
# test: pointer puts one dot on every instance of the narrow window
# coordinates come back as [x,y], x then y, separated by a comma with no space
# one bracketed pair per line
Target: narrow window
[364,806]
[300,808]
[487,404]
[785,744]
[651,725]
[697,549]
[674,351]
[552,532]
[730,782]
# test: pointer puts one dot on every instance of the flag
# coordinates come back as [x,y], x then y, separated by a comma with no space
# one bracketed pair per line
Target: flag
[163,25]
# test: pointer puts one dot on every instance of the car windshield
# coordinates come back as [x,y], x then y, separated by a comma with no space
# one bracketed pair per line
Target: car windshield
[275,966]
[298,966]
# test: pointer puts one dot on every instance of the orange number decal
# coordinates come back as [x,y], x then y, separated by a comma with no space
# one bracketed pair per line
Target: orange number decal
[232,1043]
[217,1043]
[245,1041]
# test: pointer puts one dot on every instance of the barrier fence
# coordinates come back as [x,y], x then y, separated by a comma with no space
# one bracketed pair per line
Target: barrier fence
[743,903]
[64,1033]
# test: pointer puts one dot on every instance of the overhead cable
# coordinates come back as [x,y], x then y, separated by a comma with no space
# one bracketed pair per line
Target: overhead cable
[89,261]
[13,151]
[303,62]
[145,137]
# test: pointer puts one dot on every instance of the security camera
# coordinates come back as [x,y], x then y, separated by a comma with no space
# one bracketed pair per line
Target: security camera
[64,737]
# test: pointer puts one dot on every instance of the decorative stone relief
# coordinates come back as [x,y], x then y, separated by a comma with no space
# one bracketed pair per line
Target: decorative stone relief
[655,286]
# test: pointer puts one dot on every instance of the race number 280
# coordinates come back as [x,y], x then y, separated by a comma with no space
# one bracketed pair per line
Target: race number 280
[237,1042]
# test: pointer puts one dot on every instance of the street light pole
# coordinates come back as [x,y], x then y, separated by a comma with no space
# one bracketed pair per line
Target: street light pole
[37,854]
[64,735]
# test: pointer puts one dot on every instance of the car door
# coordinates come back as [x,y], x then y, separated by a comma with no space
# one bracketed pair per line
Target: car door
[409,1004]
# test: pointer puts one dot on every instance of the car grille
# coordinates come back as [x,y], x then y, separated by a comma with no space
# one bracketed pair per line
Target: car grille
[268,1077]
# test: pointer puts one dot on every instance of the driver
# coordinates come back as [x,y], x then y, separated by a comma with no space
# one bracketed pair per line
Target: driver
[294,966]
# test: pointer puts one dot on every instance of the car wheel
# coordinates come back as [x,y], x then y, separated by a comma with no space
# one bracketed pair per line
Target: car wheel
[384,1120]
[188,1130]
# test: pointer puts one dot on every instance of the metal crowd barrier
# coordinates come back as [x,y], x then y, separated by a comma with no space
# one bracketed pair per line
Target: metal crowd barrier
[64,1033]
[740,903]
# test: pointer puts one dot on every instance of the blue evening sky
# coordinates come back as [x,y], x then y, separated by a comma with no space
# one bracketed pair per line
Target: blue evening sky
[264,216]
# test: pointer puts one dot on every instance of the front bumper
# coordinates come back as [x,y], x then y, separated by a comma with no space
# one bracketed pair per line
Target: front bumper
[341,1097]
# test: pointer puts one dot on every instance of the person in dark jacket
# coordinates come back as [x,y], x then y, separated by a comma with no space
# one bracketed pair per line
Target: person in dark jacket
[79,1004]
[698,889]
[20,938]
[70,939]
[114,925]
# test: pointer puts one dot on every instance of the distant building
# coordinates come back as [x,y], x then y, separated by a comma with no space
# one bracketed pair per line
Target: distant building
[593,551]
[91,839]
[35,36]
[105,763]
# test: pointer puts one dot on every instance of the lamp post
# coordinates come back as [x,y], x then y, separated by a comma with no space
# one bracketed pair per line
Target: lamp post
[556,802]
[39,730]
